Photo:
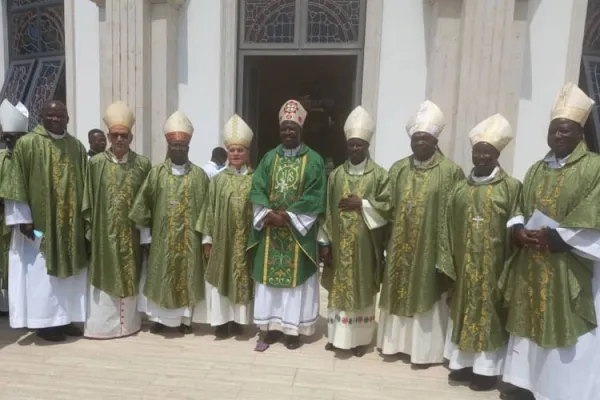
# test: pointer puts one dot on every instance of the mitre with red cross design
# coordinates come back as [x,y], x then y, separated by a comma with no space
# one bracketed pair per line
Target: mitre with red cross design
[293,111]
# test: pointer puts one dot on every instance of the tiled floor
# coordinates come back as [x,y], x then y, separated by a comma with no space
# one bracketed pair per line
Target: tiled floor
[173,367]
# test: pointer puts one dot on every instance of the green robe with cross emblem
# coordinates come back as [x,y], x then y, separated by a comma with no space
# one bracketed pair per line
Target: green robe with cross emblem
[474,245]
[282,257]
[549,295]
[411,282]
[170,206]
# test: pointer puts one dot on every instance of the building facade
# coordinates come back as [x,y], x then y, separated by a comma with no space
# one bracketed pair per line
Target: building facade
[211,58]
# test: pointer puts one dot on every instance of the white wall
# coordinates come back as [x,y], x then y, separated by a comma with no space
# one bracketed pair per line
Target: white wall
[3,43]
[199,74]
[402,79]
[87,71]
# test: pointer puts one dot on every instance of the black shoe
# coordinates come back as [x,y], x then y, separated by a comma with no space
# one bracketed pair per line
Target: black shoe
[358,351]
[329,347]
[461,375]
[185,329]
[222,331]
[272,337]
[52,335]
[71,330]
[235,329]
[292,342]
[482,383]
[156,328]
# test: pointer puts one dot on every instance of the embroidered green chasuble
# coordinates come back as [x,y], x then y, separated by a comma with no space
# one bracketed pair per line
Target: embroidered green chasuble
[474,246]
[110,189]
[227,219]
[357,252]
[419,197]
[49,176]
[550,294]
[6,175]
[282,257]
[170,205]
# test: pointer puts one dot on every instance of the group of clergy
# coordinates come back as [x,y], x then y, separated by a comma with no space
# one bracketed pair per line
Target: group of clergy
[500,278]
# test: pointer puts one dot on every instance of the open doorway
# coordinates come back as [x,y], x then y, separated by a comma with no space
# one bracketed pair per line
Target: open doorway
[325,85]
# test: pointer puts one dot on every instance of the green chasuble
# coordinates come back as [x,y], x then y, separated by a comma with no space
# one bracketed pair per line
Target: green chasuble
[6,176]
[474,246]
[49,176]
[110,189]
[282,257]
[227,219]
[550,294]
[170,205]
[419,197]
[357,252]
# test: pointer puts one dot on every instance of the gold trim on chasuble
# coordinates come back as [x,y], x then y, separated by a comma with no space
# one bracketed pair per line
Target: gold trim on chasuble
[474,277]
[119,197]
[348,243]
[177,206]
[239,206]
[411,213]
[284,183]
[59,162]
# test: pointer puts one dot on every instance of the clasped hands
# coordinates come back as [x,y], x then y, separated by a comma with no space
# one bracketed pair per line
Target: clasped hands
[350,203]
[538,239]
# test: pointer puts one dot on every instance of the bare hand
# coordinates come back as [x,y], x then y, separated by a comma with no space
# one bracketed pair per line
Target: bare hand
[325,255]
[27,230]
[542,240]
[207,249]
[526,238]
[352,202]
[276,219]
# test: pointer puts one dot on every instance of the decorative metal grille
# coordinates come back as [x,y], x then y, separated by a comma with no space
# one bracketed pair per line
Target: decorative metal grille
[269,21]
[333,21]
[591,41]
[37,48]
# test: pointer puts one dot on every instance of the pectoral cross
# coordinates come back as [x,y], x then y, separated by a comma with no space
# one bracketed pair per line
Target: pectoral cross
[477,220]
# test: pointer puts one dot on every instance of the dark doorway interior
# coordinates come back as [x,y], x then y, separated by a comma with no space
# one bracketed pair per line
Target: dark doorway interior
[325,85]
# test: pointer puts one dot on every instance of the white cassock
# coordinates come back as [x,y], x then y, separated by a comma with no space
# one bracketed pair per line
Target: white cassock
[219,308]
[36,299]
[486,363]
[166,316]
[340,333]
[212,169]
[293,311]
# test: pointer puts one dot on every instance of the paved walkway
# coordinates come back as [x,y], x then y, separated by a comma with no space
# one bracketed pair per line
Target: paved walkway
[172,367]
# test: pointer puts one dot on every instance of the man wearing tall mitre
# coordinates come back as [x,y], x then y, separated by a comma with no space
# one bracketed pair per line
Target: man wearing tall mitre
[414,314]
[475,242]
[552,284]
[169,203]
[225,224]
[112,181]
[14,121]
[288,194]
[48,256]
[352,239]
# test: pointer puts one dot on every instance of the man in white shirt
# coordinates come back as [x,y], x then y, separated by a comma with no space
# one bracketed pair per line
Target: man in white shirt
[216,163]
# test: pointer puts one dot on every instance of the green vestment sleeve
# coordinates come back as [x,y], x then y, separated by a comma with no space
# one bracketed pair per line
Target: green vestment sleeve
[5,231]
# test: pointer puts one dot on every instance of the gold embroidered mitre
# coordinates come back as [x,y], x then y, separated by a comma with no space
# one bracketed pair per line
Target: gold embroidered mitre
[293,111]
[237,132]
[178,127]
[495,130]
[429,119]
[360,125]
[573,104]
[119,114]
[13,118]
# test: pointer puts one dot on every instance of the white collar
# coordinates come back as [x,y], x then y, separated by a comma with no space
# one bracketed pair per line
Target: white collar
[55,136]
[116,160]
[554,162]
[423,164]
[357,169]
[484,179]
[291,152]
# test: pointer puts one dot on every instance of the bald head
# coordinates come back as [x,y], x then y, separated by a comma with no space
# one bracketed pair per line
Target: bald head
[54,117]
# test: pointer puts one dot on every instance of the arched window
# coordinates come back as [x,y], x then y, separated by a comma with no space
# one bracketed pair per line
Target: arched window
[36,50]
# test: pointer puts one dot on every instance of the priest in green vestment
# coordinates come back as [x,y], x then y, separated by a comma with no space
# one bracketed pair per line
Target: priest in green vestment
[288,195]
[352,239]
[414,314]
[14,121]
[169,203]
[225,225]
[552,283]
[49,252]
[475,242]
[112,182]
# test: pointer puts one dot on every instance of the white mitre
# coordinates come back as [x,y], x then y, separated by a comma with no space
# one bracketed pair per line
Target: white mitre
[293,111]
[572,103]
[178,127]
[119,114]
[237,132]
[495,130]
[13,118]
[359,125]
[429,119]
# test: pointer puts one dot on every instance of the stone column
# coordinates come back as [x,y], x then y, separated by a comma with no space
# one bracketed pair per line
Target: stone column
[138,65]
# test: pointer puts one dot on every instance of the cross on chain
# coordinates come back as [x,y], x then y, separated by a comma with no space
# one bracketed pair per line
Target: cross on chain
[477,220]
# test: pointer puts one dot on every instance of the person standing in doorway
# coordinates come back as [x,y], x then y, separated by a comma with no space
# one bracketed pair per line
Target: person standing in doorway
[49,253]
[112,182]
[217,162]
[14,122]
[414,314]
[288,194]
[97,142]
